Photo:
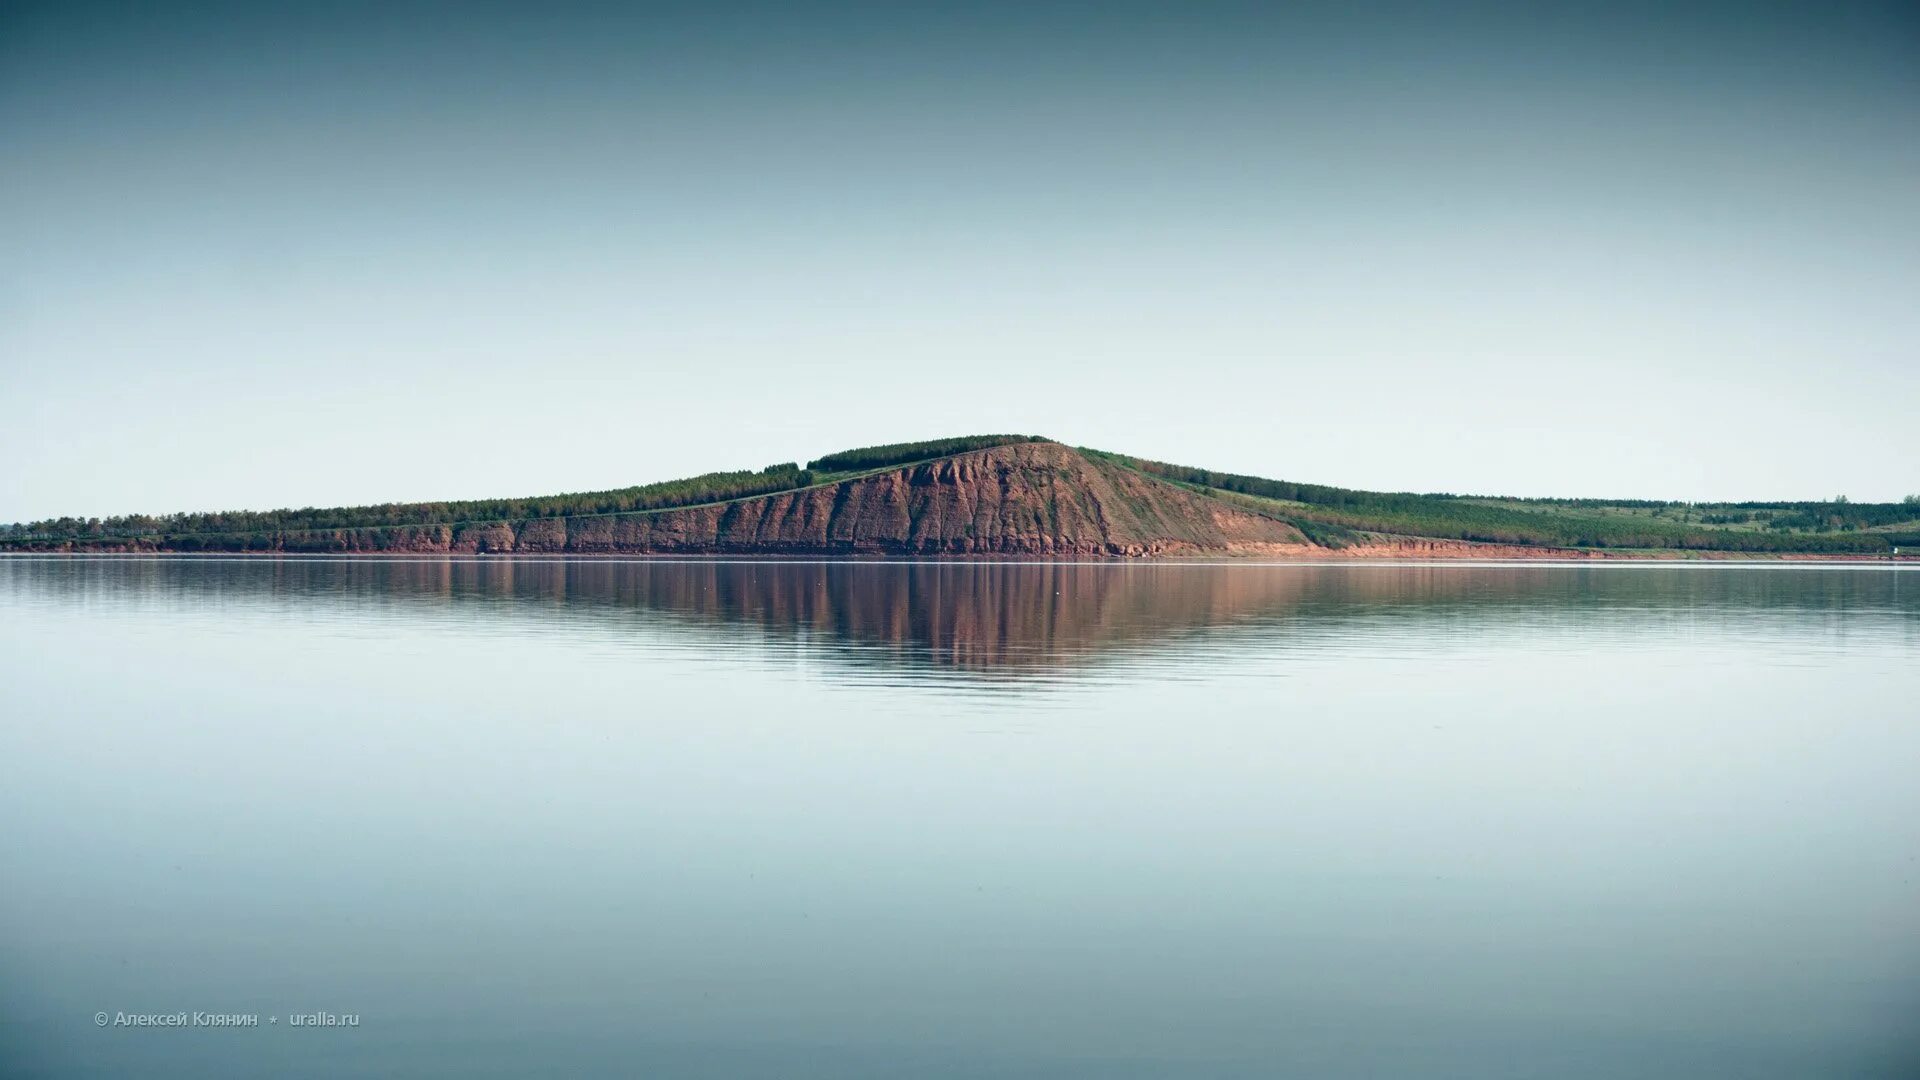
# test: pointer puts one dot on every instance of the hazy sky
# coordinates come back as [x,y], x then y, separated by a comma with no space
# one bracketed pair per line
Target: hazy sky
[279,254]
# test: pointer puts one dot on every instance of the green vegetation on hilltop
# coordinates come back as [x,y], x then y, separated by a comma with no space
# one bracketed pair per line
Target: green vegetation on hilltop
[1839,527]
[879,457]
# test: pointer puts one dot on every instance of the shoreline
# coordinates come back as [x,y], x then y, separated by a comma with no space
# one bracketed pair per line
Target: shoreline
[1544,557]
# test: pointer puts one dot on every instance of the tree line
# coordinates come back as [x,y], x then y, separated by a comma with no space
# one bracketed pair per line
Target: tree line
[693,491]
[879,457]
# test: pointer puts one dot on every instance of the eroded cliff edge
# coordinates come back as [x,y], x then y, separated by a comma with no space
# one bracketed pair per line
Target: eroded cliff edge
[1029,499]
[1036,499]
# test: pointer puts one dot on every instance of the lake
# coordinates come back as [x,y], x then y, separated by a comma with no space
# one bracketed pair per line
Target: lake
[710,819]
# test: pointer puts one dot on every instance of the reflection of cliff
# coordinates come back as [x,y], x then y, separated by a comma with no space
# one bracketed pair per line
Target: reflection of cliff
[1005,618]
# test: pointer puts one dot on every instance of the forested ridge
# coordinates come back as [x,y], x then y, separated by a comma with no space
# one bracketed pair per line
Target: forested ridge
[712,487]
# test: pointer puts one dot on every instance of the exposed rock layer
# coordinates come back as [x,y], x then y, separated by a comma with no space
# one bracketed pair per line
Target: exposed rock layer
[1032,499]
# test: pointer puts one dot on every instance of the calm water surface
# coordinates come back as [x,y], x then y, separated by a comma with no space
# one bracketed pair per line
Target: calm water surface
[690,819]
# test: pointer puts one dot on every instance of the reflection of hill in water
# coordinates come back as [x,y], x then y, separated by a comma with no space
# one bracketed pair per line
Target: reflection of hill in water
[987,618]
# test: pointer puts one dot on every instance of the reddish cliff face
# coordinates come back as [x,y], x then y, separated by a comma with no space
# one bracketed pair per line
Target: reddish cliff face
[1027,499]
[1034,499]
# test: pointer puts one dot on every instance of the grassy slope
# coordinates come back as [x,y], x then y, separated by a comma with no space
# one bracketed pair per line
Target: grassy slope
[1836,528]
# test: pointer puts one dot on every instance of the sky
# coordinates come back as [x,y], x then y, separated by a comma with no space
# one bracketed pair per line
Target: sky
[259,255]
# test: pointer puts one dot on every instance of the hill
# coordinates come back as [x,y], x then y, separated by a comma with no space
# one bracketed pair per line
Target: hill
[1006,495]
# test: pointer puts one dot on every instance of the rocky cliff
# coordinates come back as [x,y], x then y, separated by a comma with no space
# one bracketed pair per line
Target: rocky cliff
[1032,499]
[1029,499]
